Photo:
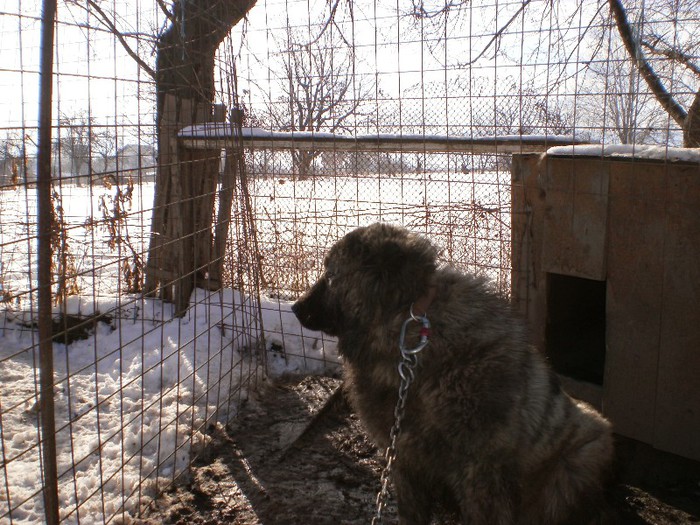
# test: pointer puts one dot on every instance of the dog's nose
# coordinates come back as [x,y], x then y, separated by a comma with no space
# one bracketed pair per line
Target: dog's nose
[299,311]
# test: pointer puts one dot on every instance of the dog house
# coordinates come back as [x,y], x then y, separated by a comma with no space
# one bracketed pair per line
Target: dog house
[606,268]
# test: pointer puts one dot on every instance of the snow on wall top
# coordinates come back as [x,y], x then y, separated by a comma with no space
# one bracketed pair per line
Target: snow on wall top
[629,151]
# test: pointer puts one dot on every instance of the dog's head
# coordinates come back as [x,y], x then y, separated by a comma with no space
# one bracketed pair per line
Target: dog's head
[370,275]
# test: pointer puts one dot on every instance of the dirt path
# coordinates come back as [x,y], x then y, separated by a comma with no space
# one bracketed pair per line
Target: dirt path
[289,462]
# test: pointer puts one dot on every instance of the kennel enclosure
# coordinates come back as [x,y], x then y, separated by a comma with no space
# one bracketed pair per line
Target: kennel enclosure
[606,244]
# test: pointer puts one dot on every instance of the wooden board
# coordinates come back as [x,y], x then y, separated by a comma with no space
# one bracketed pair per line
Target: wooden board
[527,277]
[677,424]
[642,236]
[635,272]
[180,243]
[575,221]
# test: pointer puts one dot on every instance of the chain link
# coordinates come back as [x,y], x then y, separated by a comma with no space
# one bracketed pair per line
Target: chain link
[407,367]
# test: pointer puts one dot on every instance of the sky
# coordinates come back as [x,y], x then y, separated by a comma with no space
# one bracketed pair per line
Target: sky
[94,74]
[419,66]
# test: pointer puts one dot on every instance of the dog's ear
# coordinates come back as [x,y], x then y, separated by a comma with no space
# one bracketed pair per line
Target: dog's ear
[403,267]
[390,257]
[414,258]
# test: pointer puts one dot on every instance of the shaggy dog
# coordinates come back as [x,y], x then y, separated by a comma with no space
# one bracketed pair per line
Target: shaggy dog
[487,431]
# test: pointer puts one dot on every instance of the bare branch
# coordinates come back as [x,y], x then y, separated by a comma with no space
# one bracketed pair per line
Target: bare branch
[500,32]
[107,21]
[597,47]
[667,101]
[330,20]
[673,54]
[420,12]
[164,8]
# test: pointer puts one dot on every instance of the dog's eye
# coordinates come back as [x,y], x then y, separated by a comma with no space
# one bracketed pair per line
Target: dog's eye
[330,275]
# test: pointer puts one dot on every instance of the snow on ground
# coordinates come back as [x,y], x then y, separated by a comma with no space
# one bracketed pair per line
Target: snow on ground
[156,381]
[96,262]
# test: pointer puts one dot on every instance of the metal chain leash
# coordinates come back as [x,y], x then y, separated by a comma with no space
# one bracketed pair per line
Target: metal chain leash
[407,366]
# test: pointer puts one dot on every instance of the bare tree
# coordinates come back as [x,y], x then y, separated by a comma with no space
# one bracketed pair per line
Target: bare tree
[318,90]
[630,110]
[13,158]
[663,44]
[184,78]
[74,146]
[530,114]
[83,146]
[185,49]
[663,41]
[104,148]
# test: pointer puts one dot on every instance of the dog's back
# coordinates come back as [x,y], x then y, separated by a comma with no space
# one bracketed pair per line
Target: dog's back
[486,413]
[567,487]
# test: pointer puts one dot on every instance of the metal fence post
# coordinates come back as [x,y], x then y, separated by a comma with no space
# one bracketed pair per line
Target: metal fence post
[46,401]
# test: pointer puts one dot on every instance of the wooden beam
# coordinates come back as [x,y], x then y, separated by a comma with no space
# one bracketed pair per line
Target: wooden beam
[218,135]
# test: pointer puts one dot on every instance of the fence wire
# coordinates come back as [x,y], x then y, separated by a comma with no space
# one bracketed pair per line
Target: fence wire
[141,383]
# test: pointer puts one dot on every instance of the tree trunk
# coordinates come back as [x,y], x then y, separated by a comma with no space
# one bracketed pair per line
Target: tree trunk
[186,50]
[691,129]
[185,74]
[689,121]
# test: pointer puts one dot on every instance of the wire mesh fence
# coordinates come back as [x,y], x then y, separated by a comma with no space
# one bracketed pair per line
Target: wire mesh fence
[143,375]
[465,211]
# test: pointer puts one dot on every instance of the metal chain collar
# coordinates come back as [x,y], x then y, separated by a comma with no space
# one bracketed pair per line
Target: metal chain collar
[407,366]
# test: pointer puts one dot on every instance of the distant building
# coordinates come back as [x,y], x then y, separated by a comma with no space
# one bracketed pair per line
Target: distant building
[137,161]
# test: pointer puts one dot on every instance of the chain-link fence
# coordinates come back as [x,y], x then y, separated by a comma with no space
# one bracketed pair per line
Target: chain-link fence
[171,267]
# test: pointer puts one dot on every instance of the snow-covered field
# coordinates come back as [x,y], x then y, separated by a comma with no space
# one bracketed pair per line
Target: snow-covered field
[466,214]
[134,401]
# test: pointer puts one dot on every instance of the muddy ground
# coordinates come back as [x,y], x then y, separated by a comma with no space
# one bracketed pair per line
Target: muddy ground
[295,458]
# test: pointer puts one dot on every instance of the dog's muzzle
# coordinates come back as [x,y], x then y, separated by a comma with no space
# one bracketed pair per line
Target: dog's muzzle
[303,309]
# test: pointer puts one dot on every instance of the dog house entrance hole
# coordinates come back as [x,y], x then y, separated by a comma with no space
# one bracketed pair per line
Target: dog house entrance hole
[575,331]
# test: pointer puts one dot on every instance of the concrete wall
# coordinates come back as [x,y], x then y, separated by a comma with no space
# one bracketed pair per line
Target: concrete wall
[634,225]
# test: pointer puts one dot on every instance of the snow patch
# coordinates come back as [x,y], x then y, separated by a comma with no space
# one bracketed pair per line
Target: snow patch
[133,404]
[633,151]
